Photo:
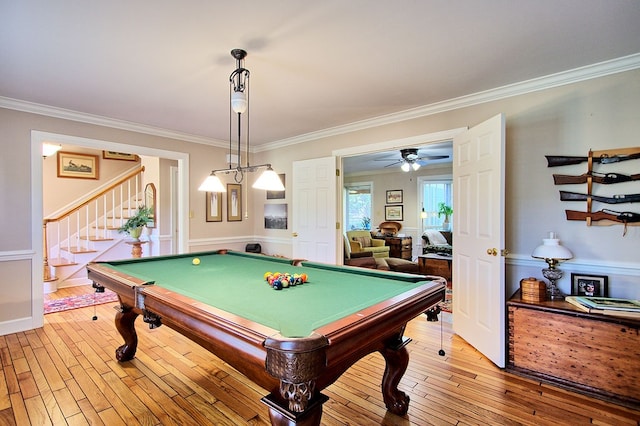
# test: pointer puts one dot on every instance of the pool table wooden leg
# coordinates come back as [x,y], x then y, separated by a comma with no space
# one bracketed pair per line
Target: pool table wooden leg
[397,360]
[125,319]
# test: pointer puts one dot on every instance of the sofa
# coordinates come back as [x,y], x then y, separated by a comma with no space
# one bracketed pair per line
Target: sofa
[361,240]
[439,242]
[365,259]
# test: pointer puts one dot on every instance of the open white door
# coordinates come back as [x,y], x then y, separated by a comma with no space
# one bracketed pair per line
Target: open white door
[478,266]
[314,210]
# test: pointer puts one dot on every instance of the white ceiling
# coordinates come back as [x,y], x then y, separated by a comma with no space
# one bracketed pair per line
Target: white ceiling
[314,64]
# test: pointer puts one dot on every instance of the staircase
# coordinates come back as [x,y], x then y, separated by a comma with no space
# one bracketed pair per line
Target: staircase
[88,231]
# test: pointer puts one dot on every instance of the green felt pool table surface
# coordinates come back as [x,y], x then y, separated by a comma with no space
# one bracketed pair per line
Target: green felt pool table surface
[234,282]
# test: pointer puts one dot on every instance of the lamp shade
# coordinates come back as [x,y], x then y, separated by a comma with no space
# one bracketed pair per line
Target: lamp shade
[415,166]
[551,249]
[212,184]
[239,102]
[405,167]
[48,149]
[269,180]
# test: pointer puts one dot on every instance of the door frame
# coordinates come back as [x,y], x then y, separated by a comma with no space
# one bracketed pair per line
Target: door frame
[394,144]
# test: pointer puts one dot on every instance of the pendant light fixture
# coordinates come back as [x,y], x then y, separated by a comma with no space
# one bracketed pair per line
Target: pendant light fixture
[239,105]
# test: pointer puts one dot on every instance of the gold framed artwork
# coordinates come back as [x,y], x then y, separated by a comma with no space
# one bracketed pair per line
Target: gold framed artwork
[74,165]
[393,213]
[234,202]
[214,207]
[394,196]
[113,155]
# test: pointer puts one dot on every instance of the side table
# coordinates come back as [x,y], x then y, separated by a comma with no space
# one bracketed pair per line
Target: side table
[435,264]
[136,248]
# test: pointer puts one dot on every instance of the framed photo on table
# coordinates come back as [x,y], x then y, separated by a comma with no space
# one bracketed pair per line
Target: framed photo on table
[589,285]
[214,207]
[394,196]
[74,165]
[234,202]
[393,213]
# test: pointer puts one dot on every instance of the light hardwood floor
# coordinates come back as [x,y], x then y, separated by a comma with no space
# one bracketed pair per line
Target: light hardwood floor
[65,374]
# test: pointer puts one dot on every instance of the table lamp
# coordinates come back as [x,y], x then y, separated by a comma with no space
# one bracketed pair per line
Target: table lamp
[552,253]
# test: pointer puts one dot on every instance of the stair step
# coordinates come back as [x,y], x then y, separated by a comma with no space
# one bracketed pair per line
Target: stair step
[78,250]
[61,261]
[95,238]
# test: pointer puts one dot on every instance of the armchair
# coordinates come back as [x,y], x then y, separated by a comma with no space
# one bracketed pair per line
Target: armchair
[361,240]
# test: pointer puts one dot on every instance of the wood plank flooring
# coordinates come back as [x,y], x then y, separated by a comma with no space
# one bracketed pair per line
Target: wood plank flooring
[66,374]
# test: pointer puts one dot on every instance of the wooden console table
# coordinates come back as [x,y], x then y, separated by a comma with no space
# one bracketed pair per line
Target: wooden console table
[594,354]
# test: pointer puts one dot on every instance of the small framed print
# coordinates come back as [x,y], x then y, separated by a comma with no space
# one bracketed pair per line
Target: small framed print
[394,196]
[74,165]
[214,207]
[277,195]
[393,213]
[234,202]
[113,155]
[589,285]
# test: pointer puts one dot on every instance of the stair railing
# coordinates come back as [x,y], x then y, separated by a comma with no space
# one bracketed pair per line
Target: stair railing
[104,210]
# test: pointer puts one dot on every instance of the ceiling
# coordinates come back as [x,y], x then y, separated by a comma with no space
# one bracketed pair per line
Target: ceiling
[315,65]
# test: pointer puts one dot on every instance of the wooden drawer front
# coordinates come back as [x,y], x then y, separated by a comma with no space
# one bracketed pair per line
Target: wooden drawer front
[596,354]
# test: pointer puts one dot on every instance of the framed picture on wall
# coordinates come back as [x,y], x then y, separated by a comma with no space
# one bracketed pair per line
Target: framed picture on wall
[234,202]
[74,165]
[275,216]
[393,213]
[394,196]
[214,207]
[113,155]
[277,195]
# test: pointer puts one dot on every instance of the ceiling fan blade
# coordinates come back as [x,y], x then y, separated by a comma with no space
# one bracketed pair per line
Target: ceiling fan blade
[433,157]
[394,163]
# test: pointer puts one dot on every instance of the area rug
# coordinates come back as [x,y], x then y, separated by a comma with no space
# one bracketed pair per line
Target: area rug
[447,304]
[75,302]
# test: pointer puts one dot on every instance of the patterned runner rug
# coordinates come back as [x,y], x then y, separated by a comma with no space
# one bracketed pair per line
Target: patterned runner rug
[447,304]
[75,302]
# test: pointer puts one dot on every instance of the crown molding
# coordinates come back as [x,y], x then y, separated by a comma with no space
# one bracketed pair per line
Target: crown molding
[601,69]
[67,114]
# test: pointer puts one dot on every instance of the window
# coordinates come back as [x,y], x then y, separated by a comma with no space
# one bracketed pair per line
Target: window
[434,193]
[358,206]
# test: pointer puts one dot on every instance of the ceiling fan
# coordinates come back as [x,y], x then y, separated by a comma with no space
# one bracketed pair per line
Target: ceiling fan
[412,160]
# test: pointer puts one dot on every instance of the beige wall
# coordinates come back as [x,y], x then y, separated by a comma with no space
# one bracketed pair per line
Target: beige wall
[595,114]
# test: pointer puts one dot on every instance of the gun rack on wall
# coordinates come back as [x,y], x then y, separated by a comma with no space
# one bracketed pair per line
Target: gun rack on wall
[604,216]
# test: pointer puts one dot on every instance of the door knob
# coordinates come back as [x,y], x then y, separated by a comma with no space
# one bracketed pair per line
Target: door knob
[492,251]
[295,234]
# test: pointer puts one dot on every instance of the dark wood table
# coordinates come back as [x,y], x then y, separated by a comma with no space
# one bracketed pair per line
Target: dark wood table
[293,342]
[435,264]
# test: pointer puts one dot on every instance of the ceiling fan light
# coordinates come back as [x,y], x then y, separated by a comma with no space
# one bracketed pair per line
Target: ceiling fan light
[415,166]
[405,167]
[269,180]
[212,184]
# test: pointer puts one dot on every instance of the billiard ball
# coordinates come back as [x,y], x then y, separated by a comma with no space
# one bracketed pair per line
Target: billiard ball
[195,261]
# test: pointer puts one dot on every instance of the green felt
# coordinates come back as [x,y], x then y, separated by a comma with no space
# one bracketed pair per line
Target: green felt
[234,283]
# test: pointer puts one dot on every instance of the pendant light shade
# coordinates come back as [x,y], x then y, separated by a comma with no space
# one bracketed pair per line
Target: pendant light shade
[269,180]
[212,184]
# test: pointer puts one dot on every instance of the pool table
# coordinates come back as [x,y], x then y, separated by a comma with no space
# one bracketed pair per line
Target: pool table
[292,342]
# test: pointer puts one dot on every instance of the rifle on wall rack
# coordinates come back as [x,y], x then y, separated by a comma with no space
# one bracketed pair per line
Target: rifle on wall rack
[609,217]
[614,199]
[563,160]
[602,178]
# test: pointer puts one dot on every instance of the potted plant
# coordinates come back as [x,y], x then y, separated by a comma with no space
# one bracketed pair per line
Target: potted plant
[133,226]
[446,211]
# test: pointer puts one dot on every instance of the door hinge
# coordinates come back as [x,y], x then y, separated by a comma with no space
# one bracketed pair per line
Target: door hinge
[337,225]
[338,172]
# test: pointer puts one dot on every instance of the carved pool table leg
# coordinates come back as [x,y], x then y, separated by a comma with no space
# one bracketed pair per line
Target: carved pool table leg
[397,360]
[125,319]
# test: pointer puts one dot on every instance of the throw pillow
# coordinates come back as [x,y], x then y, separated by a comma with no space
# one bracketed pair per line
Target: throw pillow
[364,241]
[435,237]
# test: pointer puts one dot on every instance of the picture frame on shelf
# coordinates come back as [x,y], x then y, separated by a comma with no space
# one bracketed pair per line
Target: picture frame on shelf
[113,155]
[79,166]
[234,202]
[393,213]
[589,285]
[214,207]
[394,196]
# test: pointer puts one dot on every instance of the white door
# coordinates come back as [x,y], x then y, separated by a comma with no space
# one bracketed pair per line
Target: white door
[314,210]
[478,266]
